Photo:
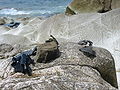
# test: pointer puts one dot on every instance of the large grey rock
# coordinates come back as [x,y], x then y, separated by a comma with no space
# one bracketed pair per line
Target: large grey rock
[71,71]
[102,29]
[85,6]
[62,77]
[103,62]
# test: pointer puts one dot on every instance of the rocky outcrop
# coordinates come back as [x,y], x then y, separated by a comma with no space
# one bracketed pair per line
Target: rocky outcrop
[69,11]
[5,68]
[86,6]
[72,70]
[115,4]
[63,77]
[2,21]
[47,51]
[103,62]
[102,29]
[79,6]
[6,50]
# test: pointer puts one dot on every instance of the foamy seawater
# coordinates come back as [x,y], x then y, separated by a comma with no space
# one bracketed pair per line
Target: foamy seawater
[32,7]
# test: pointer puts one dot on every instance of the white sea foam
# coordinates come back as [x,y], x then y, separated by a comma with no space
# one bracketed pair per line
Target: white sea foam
[13,11]
[41,12]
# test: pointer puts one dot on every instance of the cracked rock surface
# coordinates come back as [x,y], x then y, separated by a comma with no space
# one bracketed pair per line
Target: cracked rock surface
[71,71]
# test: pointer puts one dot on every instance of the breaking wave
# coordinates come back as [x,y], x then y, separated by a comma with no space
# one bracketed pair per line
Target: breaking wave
[12,11]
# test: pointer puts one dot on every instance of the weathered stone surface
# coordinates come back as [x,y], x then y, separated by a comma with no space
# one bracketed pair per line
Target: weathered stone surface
[5,68]
[6,50]
[47,51]
[69,11]
[3,29]
[103,61]
[82,6]
[71,71]
[62,77]
[2,21]
[115,4]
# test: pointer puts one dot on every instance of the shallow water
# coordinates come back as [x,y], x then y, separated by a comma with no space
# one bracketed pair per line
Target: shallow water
[32,7]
